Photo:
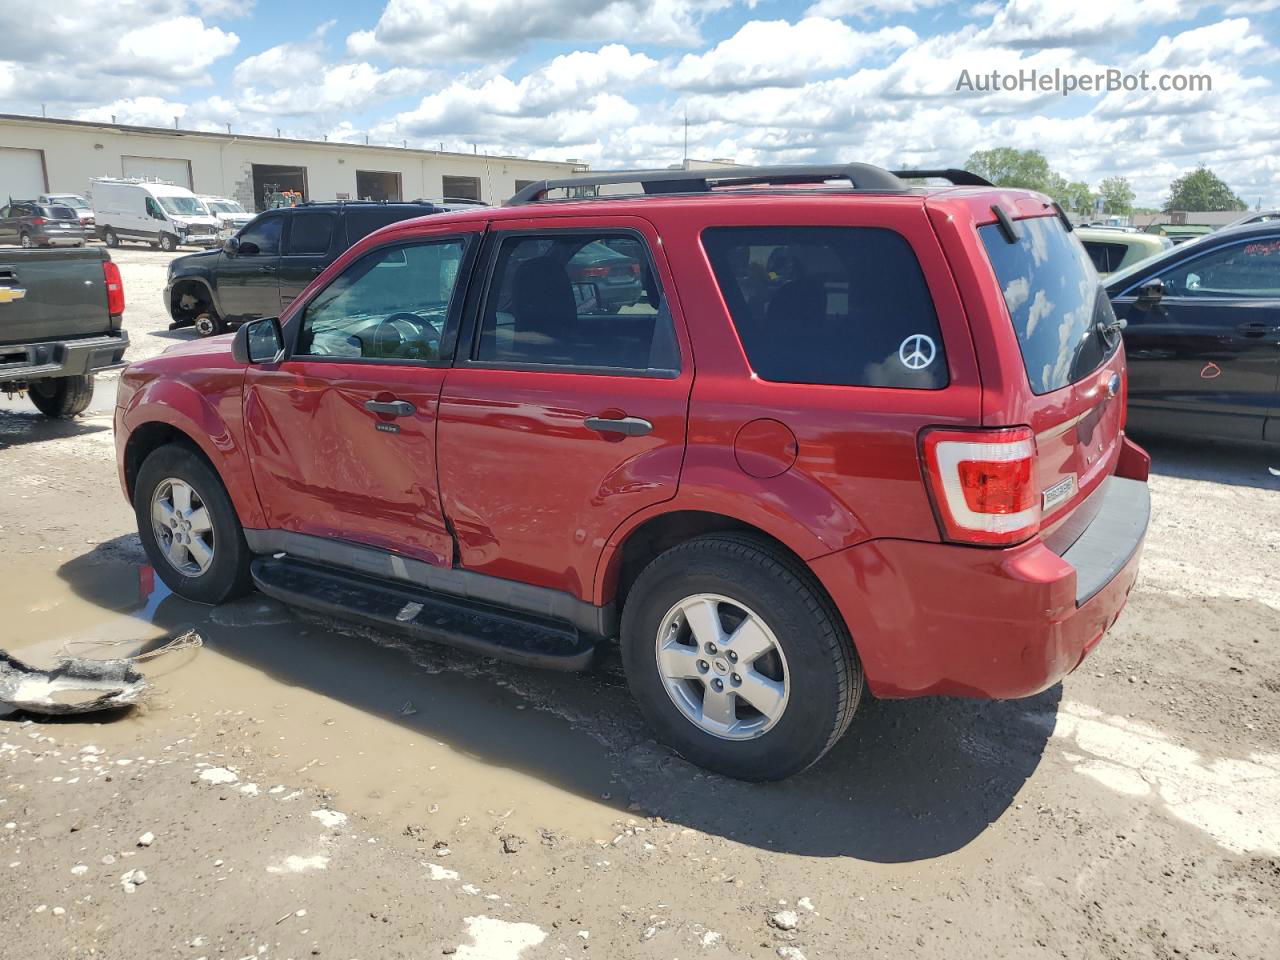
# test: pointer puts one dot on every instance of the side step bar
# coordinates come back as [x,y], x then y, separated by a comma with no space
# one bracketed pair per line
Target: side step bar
[477,628]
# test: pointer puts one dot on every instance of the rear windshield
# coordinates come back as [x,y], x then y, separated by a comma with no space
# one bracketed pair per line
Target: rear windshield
[61,213]
[362,221]
[1055,300]
[845,306]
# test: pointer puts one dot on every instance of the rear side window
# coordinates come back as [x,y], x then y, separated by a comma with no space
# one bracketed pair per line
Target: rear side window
[362,221]
[586,301]
[1054,299]
[310,233]
[1105,256]
[846,306]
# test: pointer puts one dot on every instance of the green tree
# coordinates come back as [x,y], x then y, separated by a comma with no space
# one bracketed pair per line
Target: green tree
[1009,167]
[1201,190]
[1076,196]
[1117,196]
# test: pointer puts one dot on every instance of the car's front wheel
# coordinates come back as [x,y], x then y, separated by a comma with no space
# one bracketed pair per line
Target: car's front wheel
[737,659]
[189,528]
[168,242]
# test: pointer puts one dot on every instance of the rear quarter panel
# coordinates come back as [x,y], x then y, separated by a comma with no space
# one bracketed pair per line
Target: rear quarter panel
[856,473]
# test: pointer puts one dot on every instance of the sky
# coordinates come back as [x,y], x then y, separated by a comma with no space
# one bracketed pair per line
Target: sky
[610,82]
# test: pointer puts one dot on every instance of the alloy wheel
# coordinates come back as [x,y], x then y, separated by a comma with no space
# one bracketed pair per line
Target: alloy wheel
[722,667]
[182,526]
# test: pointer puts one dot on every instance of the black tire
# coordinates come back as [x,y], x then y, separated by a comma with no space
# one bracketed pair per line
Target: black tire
[62,396]
[228,574]
[209,324]
[168,242]
[109,238]
[824,676]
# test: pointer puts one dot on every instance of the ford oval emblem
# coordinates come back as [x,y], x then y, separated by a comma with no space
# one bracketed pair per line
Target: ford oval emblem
[1113,385]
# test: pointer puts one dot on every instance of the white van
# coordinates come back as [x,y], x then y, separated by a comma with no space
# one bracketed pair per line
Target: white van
[229,214]
[161,214]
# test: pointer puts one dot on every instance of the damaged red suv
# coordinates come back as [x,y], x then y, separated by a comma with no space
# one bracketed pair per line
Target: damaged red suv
[784,433]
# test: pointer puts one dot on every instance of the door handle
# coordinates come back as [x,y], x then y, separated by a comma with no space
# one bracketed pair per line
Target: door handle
[1255,328]
[266,269]
[392,408]
[627,426]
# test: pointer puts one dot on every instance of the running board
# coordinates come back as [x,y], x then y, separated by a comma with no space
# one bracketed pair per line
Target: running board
[467,625]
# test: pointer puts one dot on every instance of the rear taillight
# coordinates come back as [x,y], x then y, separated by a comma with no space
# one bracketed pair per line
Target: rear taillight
[983,484]
[38,221]
[586,272]
[115,288]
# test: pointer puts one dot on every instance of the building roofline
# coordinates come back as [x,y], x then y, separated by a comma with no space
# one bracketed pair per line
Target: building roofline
[214,135]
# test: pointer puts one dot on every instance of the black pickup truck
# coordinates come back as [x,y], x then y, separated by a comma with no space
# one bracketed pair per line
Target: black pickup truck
[60,322]
[274,257]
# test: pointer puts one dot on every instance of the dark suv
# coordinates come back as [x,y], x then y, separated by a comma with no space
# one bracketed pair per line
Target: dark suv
[845,434]
[259,271]
[39,225]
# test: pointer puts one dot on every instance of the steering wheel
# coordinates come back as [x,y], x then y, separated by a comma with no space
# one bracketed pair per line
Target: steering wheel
[400,330]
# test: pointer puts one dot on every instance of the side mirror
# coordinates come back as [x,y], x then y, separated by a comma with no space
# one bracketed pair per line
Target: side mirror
[259,341]
[1150,293]
[230,246]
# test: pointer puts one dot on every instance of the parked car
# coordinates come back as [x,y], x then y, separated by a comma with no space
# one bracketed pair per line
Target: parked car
[82,207]
[1112,250]
[1257,216]
[901,462]
[61,318]
[1203,336]
[259,271]
[230,215]
[30,224]
[162,214]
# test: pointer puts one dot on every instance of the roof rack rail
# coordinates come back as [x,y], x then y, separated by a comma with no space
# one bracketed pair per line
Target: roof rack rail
[960,178]
[861,176]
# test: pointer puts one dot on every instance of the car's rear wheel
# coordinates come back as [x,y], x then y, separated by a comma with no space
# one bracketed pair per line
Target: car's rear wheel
[26,241]
[110,237]
[737,659]
[189,526]
[62,396]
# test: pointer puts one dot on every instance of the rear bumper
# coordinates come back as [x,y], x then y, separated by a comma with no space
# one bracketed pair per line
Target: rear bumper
[23,363]
[934,618]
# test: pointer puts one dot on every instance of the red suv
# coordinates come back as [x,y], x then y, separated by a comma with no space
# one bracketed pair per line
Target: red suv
[841,430]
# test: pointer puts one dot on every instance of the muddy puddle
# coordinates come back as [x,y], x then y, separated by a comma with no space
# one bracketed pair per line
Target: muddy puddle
[390,729]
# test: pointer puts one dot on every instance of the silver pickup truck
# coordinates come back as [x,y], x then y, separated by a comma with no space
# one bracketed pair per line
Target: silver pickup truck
[60,323]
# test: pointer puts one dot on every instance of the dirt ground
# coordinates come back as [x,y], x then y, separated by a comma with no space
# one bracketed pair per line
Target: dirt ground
[300,788]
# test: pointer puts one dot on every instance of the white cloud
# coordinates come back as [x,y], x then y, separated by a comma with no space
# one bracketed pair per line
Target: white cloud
[1054,23]
[778,53]
[474,29]
[1235,39]
[181,48]
[866,8]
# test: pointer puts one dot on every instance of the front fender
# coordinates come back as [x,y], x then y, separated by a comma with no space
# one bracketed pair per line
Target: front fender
[210,417]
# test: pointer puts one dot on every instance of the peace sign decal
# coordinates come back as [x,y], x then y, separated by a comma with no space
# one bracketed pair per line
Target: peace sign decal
[917,351]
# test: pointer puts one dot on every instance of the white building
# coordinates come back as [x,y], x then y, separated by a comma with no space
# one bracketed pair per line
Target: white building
[39,155]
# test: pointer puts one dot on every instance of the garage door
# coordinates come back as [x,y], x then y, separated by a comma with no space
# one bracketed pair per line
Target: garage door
[21,173]
[158,168]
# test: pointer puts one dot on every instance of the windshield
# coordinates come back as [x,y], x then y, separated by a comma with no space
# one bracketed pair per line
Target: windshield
[1055,301]
[181,206]
[224,206]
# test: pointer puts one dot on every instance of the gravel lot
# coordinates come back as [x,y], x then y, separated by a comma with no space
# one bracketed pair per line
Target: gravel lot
[314,790]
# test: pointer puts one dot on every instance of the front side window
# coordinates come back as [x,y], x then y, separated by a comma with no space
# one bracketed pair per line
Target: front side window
[1250,269]
[310,233]
[845,306]
[1057,305]
[261,238]
[153,209]
[589,301]
[391,304]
